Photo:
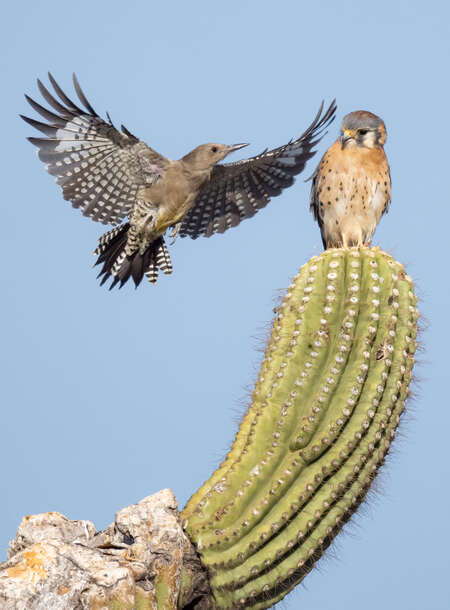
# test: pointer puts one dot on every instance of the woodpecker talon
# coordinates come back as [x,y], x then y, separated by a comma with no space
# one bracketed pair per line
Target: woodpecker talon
[174,232]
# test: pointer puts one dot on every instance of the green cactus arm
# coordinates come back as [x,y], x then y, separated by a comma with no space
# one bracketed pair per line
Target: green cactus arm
[324,411]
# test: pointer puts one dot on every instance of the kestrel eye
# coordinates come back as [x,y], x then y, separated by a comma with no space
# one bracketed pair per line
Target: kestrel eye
[362,131]
[214,149]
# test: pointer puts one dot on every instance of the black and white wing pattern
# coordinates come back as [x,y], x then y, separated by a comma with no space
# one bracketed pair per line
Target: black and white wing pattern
[99,168]
[238,190]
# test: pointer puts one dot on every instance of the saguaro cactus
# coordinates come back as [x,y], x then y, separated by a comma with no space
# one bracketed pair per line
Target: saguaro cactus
[325,408]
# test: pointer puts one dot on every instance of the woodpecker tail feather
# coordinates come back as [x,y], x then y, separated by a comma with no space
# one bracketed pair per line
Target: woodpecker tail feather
[116,264]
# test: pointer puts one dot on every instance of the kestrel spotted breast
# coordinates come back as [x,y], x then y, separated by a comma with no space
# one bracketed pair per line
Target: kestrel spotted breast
[351,187]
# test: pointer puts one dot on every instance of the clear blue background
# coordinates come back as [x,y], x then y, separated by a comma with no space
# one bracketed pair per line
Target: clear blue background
[109,397]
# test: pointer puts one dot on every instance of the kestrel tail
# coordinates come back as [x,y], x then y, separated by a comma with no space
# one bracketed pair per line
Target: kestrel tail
[351,187]
[111,174]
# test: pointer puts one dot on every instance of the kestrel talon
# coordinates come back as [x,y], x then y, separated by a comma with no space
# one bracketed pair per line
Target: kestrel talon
[351,188]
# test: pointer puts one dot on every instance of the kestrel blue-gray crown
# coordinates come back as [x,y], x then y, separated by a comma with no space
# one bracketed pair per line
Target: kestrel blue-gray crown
[363,128]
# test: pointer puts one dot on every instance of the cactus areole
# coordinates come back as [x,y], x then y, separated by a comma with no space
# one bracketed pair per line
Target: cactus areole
[325,409]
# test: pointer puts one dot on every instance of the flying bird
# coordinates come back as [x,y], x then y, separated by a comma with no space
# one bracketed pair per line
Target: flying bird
[111,174]
[351,187]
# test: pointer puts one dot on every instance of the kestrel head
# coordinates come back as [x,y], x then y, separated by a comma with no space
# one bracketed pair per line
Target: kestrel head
[362,128]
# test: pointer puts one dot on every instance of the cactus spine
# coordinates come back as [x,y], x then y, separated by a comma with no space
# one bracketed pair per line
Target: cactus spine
[325,408]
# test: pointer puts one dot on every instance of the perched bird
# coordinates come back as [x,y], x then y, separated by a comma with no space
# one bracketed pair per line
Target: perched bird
[351,187]
[111,174]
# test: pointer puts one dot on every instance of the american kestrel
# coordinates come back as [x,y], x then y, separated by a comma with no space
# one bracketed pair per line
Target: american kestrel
[351,187]
[111,174]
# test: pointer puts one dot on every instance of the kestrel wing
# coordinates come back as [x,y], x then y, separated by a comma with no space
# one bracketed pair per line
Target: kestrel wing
[99,168]
[314,199]
[238,190]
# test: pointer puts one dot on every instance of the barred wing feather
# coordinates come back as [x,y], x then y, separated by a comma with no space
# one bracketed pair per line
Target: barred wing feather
[238,190]
[99,168]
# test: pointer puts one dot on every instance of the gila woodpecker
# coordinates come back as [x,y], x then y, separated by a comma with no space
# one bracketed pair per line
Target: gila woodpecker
[111,174]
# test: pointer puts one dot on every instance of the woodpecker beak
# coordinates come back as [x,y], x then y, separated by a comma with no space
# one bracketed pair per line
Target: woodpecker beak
[347,135]
[234,147]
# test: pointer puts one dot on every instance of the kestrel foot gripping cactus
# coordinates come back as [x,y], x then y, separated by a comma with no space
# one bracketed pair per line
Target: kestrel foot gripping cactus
[325,408]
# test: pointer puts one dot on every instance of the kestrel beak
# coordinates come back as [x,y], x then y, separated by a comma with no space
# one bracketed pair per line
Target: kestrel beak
[347,135]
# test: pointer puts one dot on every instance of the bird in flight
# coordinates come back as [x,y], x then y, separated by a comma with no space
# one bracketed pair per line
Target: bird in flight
[351,187]
[111,174]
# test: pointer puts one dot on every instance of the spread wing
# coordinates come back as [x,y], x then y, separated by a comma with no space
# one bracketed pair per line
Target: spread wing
[99,168]
[238,190]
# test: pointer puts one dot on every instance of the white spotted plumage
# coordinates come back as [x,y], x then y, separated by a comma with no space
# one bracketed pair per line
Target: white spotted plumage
[111,174]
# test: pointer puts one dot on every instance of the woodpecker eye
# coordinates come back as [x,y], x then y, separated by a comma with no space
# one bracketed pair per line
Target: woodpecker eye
[362,132]
[214,149]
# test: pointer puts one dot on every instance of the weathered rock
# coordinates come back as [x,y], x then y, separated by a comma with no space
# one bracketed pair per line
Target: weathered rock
[143,560]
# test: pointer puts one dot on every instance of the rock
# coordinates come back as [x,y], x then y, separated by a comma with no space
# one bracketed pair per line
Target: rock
[142,560]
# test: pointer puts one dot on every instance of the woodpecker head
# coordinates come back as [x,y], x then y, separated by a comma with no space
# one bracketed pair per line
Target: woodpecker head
[362,129]
[208,155]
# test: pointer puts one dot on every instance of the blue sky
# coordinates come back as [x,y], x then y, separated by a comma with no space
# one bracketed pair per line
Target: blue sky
[109,397]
